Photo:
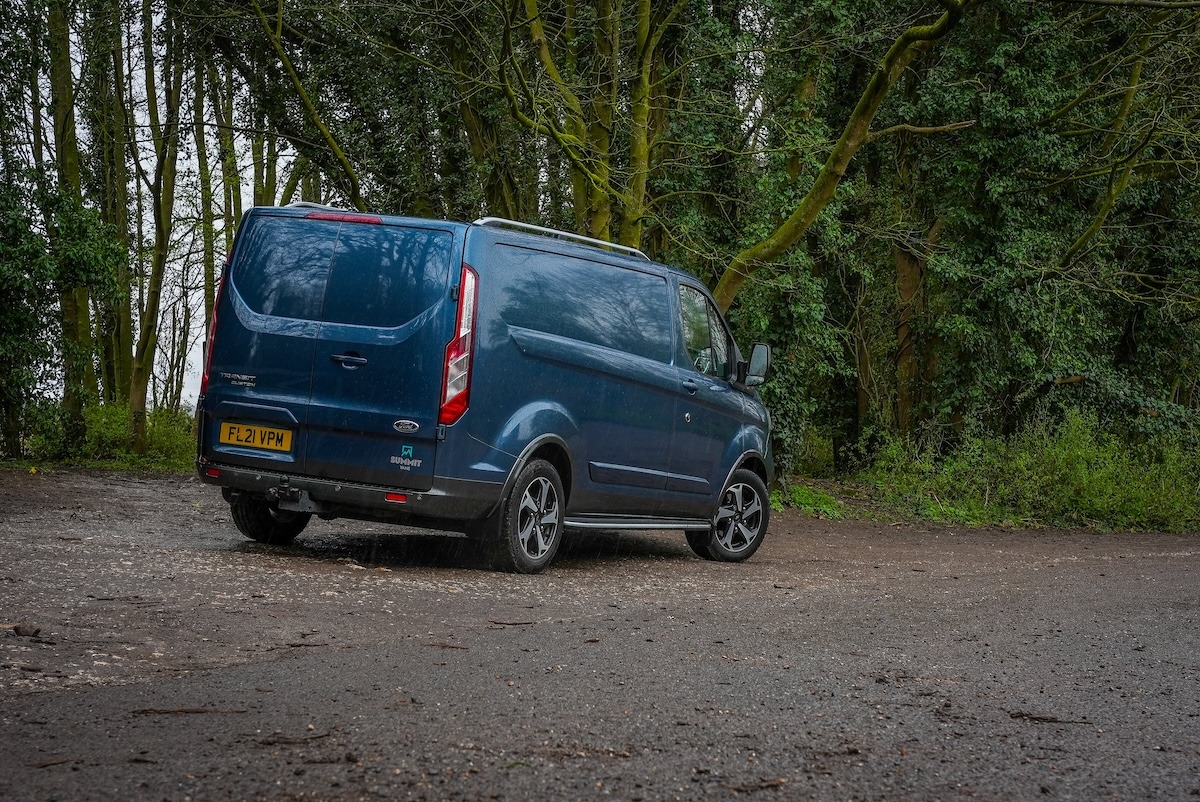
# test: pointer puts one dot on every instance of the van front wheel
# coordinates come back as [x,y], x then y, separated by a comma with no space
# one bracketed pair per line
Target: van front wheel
[260,520]
[740,522]
[531,525]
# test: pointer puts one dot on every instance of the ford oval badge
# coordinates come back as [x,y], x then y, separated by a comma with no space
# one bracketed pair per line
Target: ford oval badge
[406,426]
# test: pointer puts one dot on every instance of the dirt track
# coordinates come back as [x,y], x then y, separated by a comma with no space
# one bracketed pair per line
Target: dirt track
[148,651]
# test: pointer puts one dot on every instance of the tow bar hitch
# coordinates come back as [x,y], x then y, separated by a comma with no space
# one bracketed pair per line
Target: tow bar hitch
[285,494]
[293,498]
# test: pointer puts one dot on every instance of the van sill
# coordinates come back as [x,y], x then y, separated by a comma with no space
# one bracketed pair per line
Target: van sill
[621,522]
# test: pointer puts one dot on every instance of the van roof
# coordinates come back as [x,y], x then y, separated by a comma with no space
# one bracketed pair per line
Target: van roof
[554,233]
[498,228]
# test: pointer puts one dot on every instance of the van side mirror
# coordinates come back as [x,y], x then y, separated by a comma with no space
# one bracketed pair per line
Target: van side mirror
[760,363]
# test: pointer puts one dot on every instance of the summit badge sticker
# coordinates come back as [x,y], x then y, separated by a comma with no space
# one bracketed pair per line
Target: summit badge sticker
[405,461]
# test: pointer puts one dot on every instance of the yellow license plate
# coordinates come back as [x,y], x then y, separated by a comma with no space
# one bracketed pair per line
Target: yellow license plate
[242,434]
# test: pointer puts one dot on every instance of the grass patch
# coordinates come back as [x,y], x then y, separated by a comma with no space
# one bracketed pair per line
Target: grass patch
[108,441]
[1066,472]
[810,501]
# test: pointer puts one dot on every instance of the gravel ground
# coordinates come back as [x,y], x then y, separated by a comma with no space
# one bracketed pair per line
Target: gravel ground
[148,651]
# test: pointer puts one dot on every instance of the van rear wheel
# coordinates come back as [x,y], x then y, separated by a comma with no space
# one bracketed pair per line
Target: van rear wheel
[260,520]
[698,539]
[531,522]
[740,522]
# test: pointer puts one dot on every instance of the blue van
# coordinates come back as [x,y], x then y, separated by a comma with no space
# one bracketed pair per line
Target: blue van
[494,378]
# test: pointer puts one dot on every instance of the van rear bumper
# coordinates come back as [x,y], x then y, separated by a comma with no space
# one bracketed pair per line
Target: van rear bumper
[448,503]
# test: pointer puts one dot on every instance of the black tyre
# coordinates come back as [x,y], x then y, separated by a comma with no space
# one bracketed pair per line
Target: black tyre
[740,522]
[531,521]
[259,519]
[698,539]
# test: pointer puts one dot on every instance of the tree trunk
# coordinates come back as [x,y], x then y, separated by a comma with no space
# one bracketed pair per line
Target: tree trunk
[274,36]
[264,153]
[114,315]
[910,278]
[231,181]
[296,171]
[500,191]
[79,382]
[161,187]
[856,133]
[208,258]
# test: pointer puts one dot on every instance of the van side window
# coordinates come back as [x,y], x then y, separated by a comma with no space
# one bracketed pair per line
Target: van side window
[704,334]
[594,302]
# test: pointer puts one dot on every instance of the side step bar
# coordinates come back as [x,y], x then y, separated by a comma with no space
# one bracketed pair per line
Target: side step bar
[626,522]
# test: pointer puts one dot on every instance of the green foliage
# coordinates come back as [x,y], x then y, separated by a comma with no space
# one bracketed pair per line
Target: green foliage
[109,432]
[170,439]
[960,284]
[1064,470]
[84,249]
[1006,310]
[45,423]
[788,314]
[26,273]
[811,501]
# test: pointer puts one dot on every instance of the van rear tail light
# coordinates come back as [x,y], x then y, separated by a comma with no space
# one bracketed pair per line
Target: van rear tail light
[456,376]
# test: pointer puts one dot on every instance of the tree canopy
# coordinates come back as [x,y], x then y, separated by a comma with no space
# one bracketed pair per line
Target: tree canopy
[942,214]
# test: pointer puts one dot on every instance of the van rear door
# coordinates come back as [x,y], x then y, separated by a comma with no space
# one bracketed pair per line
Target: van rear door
[377,371]
[260,369]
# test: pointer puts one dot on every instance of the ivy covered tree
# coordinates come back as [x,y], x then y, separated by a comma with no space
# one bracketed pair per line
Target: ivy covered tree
[26,281]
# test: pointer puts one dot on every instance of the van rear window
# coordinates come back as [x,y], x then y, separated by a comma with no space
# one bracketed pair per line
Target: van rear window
[589,301]
[386,275]
[379,275]
[283,264]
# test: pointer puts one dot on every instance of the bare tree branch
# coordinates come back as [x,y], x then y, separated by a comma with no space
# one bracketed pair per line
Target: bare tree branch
[918,129]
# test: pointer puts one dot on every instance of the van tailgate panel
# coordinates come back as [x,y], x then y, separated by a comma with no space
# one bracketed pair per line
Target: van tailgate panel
[377,371]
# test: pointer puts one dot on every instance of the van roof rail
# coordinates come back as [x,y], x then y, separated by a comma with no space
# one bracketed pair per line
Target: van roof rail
[501,222]
[315,205]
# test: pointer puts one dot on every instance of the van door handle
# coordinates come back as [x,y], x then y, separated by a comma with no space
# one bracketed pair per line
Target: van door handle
[690,386]
[349,360]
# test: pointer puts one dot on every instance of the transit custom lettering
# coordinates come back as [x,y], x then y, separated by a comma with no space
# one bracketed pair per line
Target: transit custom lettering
[240,379]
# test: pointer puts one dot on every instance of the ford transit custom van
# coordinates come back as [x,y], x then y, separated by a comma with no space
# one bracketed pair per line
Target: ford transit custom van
[493,378]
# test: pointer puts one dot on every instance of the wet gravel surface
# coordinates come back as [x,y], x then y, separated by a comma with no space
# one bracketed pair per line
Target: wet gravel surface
[148,651]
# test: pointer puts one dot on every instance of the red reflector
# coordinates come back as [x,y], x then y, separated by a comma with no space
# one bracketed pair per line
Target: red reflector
[346,217]
[398,498]
[213,472]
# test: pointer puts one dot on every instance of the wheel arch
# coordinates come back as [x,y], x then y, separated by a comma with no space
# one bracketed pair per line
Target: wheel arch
[752,461]
[755,464]
[551,448]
